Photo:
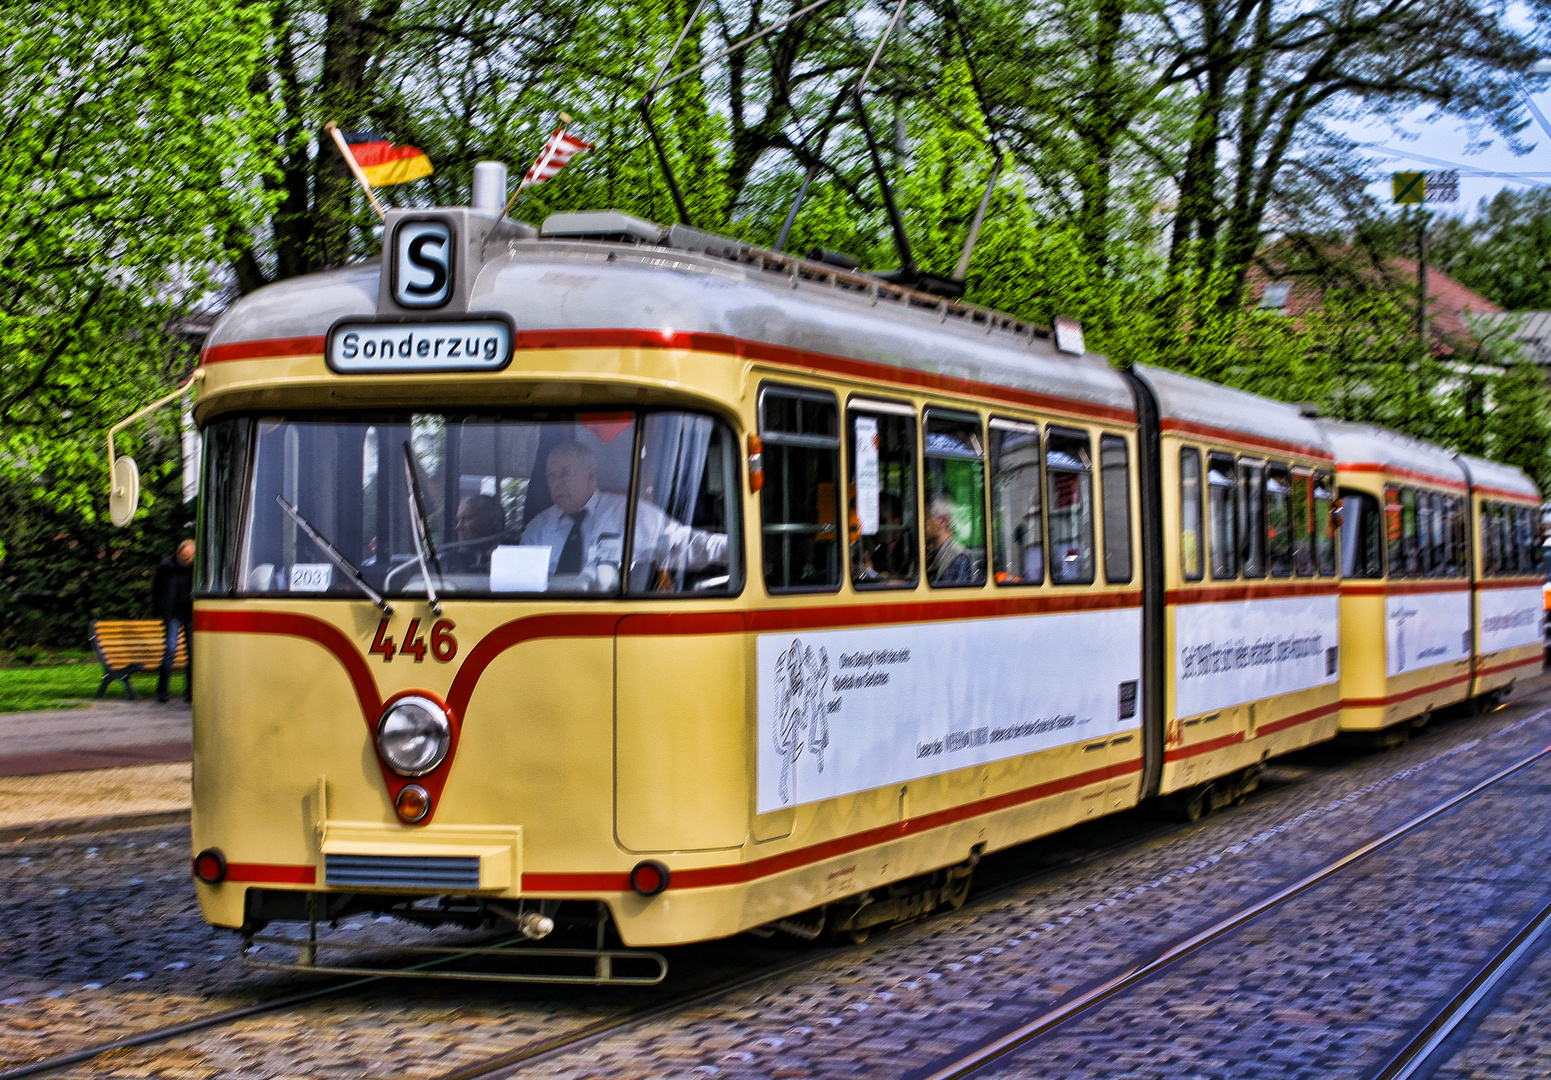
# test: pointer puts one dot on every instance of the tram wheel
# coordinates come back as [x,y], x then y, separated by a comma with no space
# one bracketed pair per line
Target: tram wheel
[1191,805]
[858,937]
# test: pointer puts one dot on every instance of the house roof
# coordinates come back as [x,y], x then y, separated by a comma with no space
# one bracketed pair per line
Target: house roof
[1451,308]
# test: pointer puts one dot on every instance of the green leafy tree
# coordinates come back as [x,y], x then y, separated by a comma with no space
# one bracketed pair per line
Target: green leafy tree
[1504,252]
[132,144]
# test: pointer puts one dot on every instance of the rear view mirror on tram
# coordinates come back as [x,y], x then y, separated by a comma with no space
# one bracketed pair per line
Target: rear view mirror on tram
[124,497]
[124,490]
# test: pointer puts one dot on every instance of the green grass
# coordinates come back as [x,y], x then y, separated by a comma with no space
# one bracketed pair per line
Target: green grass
[63,686]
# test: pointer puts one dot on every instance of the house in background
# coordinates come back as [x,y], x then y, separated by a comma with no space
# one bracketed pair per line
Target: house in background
[1456,314]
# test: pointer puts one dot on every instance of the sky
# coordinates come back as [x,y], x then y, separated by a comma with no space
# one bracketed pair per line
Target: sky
[1450,145]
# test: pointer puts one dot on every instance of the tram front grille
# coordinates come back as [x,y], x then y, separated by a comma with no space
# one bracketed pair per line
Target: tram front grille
[432,872]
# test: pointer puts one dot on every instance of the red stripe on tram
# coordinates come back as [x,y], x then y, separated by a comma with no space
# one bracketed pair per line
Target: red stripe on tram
[271,873]
[727,345]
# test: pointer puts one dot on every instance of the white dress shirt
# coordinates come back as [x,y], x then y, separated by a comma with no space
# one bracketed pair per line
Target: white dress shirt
[660,541]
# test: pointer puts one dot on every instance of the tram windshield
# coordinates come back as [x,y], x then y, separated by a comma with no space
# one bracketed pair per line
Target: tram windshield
[475,504]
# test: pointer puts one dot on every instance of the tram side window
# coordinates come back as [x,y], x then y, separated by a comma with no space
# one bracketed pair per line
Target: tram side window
[1491,563]
[955,500]
[1222,516]
[1017,519]
[882,495]
[1411,550]
[1190,539]
[1424,533]
[1362,535]
[1069,479]
[1440,544]
[1324,525]
[1302,538]
[1115,484]
[1394,531]
[1526,531]
[1516,525]
[1252,518]
[1459,527]
[1514,546]
[220,504]
[1502,554]
[800,502]
[685,537]
[1279,521]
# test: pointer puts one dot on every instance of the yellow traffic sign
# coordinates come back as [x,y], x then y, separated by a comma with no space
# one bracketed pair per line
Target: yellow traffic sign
[1410,187]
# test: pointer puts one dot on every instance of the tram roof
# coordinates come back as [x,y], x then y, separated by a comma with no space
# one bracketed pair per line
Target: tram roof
[1368,447]
[1495,477]
[756,305]
[1194,406]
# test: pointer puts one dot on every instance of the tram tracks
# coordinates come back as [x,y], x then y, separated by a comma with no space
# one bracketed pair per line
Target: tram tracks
[1429,1044]
[511,1061]
[977,1059]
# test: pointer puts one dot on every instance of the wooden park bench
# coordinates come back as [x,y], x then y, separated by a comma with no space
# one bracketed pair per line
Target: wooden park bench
[126,646]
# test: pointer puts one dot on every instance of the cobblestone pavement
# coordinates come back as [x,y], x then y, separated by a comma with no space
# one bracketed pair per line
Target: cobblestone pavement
[122,949]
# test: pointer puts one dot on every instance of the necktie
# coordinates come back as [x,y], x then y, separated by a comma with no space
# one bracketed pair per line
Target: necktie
[571,551]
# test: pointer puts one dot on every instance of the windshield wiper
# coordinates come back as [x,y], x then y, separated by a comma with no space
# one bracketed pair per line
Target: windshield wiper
[334,555]
[420,529]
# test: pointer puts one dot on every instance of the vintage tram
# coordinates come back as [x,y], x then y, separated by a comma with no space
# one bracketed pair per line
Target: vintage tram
[639,579]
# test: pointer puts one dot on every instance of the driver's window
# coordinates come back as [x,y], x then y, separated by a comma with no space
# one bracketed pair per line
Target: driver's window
[684,529]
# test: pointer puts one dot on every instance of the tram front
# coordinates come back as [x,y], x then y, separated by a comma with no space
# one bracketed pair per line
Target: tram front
[419,535]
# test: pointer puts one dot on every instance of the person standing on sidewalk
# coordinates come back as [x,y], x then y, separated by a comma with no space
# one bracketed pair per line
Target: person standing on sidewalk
[172,598]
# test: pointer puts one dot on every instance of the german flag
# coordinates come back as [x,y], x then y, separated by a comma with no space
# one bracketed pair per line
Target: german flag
[382,162]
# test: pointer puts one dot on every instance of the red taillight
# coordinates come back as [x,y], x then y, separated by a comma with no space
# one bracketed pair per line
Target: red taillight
[649,877]
[210,866]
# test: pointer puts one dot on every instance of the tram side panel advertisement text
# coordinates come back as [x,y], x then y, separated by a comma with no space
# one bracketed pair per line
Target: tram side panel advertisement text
[1510,618]
[1424,629]
[844,711]
[1230,653]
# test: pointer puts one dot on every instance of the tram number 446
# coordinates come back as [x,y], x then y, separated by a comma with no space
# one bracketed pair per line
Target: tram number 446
[443,645]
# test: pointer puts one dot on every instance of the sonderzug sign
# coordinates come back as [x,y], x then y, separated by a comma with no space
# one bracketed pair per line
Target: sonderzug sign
[422,263]
[462,345]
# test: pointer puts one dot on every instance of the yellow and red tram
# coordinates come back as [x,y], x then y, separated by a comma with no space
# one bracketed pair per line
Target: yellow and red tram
[1250,598]
[1507,615]
[1406,581]
[641,577]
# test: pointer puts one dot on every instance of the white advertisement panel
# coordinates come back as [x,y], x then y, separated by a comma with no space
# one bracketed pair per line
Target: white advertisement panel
[842,711]
[1424,629]
[1509,618]
[1245,650]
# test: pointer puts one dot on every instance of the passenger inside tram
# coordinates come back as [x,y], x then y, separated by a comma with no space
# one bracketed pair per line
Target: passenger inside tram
[479,526]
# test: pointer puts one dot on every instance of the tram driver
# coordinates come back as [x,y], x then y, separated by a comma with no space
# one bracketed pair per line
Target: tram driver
[585,526]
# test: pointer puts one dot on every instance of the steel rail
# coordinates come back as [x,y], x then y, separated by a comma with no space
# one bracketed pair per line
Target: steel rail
[1423,1048]
[40,1066]
[510,1062]
[990,1052]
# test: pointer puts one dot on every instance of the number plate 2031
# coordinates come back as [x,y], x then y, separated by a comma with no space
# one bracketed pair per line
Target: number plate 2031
[443,646]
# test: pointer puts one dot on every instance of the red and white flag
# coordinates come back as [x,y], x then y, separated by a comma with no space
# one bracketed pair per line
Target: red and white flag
[556,155]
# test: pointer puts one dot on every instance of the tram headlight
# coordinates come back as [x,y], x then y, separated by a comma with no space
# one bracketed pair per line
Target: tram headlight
[413,736]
